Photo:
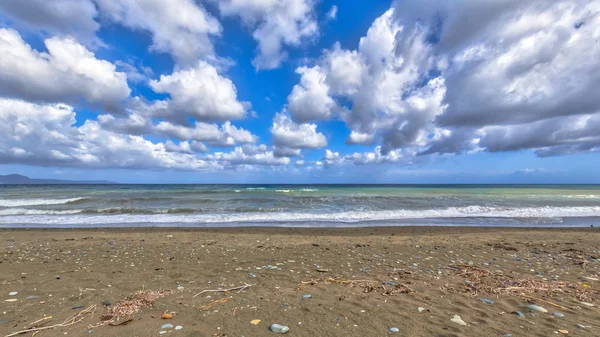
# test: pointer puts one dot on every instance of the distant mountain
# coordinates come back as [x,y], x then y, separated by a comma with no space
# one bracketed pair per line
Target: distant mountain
[17,179]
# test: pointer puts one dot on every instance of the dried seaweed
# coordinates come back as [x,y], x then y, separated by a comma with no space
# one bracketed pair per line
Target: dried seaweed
[133,304]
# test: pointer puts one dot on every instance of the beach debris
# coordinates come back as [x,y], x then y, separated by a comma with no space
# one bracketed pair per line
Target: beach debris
[580,326]
[587,304]
[178,327]
[322,270]
[456,319]
[536,308]
[367,285]
[239,289]
[11,300]
[127,321]
[518,313]
[132,304]
[166,315]
[278,328]
[13,293]
[394,330]
[255,321]
[307,296]
[563,331]
[486,301]
[421,309]
[558,314]
[80,316]
[77,307]
[167,326]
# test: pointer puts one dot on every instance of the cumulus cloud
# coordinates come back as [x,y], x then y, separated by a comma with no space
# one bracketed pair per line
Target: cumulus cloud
[310,99]
[199,92]
[249,155]
[520,75]
[45,135]
[274,23]
[75,18]
[181,28]
[332,12]
[67,73]
[289,137]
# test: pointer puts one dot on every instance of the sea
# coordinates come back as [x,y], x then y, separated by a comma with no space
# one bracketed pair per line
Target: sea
[98,206]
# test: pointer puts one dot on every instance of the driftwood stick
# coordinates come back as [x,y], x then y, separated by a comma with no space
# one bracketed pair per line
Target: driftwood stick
[548,302]
[240,288]
[69,321]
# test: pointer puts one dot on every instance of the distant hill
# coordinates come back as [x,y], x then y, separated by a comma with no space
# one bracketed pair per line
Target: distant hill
[17,179]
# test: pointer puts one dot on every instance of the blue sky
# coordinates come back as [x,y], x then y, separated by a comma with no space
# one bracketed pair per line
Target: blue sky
[300,91]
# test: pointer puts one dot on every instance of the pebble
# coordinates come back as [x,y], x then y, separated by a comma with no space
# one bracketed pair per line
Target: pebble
[557,314]
[507,335]
[255,321]
[277,328]
[106,303]
[11,300]
[251,275]
[32,297]
[167,326]
[77,307]
[307,296]
[166,315]
[536,308]
[580,326]
[180,288]
[520,314]
[179,327]
[394,330]
[13,293]
[518,259]
[3,321]
[456,319]
[421,309]
[563,331]
[486,301]
[162,332]
[57,277]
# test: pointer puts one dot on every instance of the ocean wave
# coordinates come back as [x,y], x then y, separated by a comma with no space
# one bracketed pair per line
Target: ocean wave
[294,217]
[283,191]
[36,202]
[309,190]
[25,211]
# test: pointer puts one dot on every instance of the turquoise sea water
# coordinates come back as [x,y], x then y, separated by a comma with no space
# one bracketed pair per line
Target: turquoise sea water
[298,205]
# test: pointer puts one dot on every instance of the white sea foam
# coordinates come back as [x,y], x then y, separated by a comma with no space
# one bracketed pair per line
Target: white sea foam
[35,202]
[25,211]
[308,189]
[294,217]
[283,191]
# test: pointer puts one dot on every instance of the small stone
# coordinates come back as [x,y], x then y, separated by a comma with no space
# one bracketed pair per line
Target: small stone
[536,308]
[3,321]
[390,283]
[537,251]
[77,307]
[517,259]
[307,296]
[178,327]
[563,331]
[162,332]
[520,314]
[180,288]
[394,330]
[322,270]
[421,309]
[580,326]
[507,335]
[557,314]
[486,301]
[277,328]
[167,326]
[255,321]
[13,293]
[32,297]
[11,300]
[166,315]
[456,319]
[251,275]
[106,303]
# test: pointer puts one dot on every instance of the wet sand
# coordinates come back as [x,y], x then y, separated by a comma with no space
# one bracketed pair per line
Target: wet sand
[406,268]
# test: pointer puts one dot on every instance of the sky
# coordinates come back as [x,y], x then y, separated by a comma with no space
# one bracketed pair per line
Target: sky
[301,91]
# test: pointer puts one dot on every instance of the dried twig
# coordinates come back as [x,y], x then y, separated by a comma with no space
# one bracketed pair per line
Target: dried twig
[69,321]
[213,303]
[547,302]
[240,288]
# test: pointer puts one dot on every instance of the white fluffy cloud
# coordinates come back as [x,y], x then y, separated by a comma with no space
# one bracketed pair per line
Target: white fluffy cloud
[180,27]
[274,23]
[289,137]
[249,155]
[45,135]
[198,92]
[57,17]
[310,99]
[67,73]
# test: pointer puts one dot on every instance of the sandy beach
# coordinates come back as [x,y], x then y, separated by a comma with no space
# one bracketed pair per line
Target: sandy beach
[361,282]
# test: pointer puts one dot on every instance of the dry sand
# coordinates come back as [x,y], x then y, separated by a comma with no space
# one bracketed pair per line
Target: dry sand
[446,271]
